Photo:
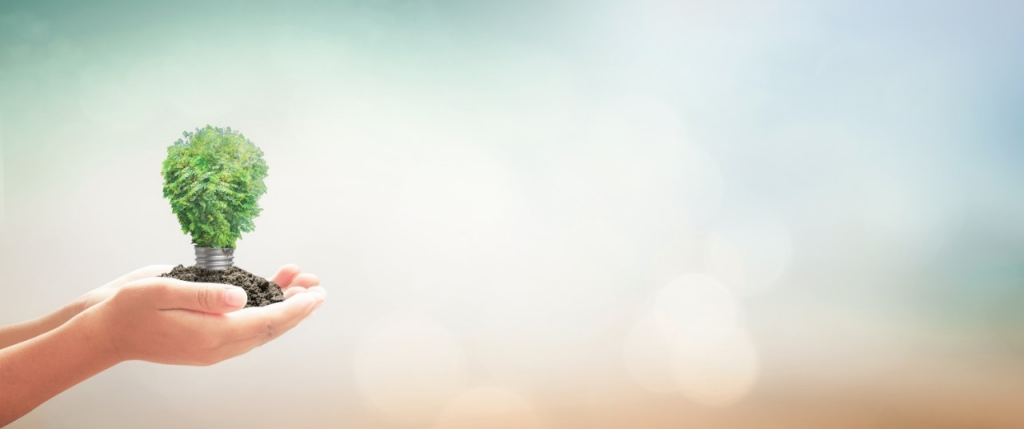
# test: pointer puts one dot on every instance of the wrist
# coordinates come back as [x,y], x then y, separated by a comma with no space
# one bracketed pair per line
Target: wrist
[24,331]
[93,337]
[76,306]
[35,370]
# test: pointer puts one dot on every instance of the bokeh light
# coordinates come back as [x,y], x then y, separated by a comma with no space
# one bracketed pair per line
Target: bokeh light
[409,367]
[715,372]
[649,356]
[697,306]
[694,342]
[490,407]
[619,213]
[724,259]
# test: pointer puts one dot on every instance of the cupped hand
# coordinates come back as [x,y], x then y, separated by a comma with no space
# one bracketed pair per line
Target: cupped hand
[108,290]
[290,278]
[169,321]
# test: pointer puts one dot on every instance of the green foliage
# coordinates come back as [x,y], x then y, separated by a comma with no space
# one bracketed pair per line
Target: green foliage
[214,180]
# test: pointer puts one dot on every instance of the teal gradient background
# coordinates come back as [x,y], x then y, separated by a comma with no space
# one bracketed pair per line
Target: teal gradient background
[505,196]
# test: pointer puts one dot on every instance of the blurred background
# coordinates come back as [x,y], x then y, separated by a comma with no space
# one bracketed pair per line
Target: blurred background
[570,214]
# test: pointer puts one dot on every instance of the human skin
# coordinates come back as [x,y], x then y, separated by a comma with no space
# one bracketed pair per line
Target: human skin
[142,317]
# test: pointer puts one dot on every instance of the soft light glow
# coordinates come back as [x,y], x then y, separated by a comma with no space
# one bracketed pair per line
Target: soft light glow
[693,342]
[492,408]
[725,260]
[697,306]
[454,216]
[715,372]
[648,356]
[841,180]
[408,368]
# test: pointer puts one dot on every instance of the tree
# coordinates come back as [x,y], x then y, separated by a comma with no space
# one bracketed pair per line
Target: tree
[214,180]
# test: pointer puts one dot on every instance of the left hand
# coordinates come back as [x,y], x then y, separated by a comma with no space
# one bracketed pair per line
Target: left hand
[106,291]
[290,278]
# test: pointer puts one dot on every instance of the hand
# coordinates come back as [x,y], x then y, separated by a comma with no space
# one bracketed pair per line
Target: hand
[169,321]
[19,332]
[290,278]
[142,317]
[108,290]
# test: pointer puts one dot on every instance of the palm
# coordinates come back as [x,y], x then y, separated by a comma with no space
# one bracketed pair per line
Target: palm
[291,279]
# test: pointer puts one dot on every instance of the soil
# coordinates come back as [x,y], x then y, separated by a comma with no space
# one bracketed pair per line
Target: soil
[262,292]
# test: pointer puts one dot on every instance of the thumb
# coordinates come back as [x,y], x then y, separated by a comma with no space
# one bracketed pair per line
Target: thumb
[204,297]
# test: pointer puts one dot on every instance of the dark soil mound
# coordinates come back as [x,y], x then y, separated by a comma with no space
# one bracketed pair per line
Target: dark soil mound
[261,291]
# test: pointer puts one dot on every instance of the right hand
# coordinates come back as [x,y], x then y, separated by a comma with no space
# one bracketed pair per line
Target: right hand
[170,321]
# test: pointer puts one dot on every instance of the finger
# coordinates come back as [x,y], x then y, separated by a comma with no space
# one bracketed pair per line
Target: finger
[262,324]
[292,291]
[173,294]
[306,280]
[301,281]
[245,330]
[141,273]
[285,275]
[319,291]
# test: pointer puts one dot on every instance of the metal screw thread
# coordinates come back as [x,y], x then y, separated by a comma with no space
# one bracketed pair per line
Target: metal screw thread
[213,258]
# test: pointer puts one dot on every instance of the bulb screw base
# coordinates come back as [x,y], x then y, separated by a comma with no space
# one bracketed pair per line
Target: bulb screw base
[213,258]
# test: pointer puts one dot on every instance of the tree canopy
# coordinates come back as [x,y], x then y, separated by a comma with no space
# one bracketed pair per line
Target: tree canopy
[213,178]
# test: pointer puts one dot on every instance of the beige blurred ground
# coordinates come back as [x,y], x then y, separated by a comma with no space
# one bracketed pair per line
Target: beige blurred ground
[921,394]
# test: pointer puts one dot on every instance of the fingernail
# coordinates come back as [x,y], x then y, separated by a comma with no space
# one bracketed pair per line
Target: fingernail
[235,296]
